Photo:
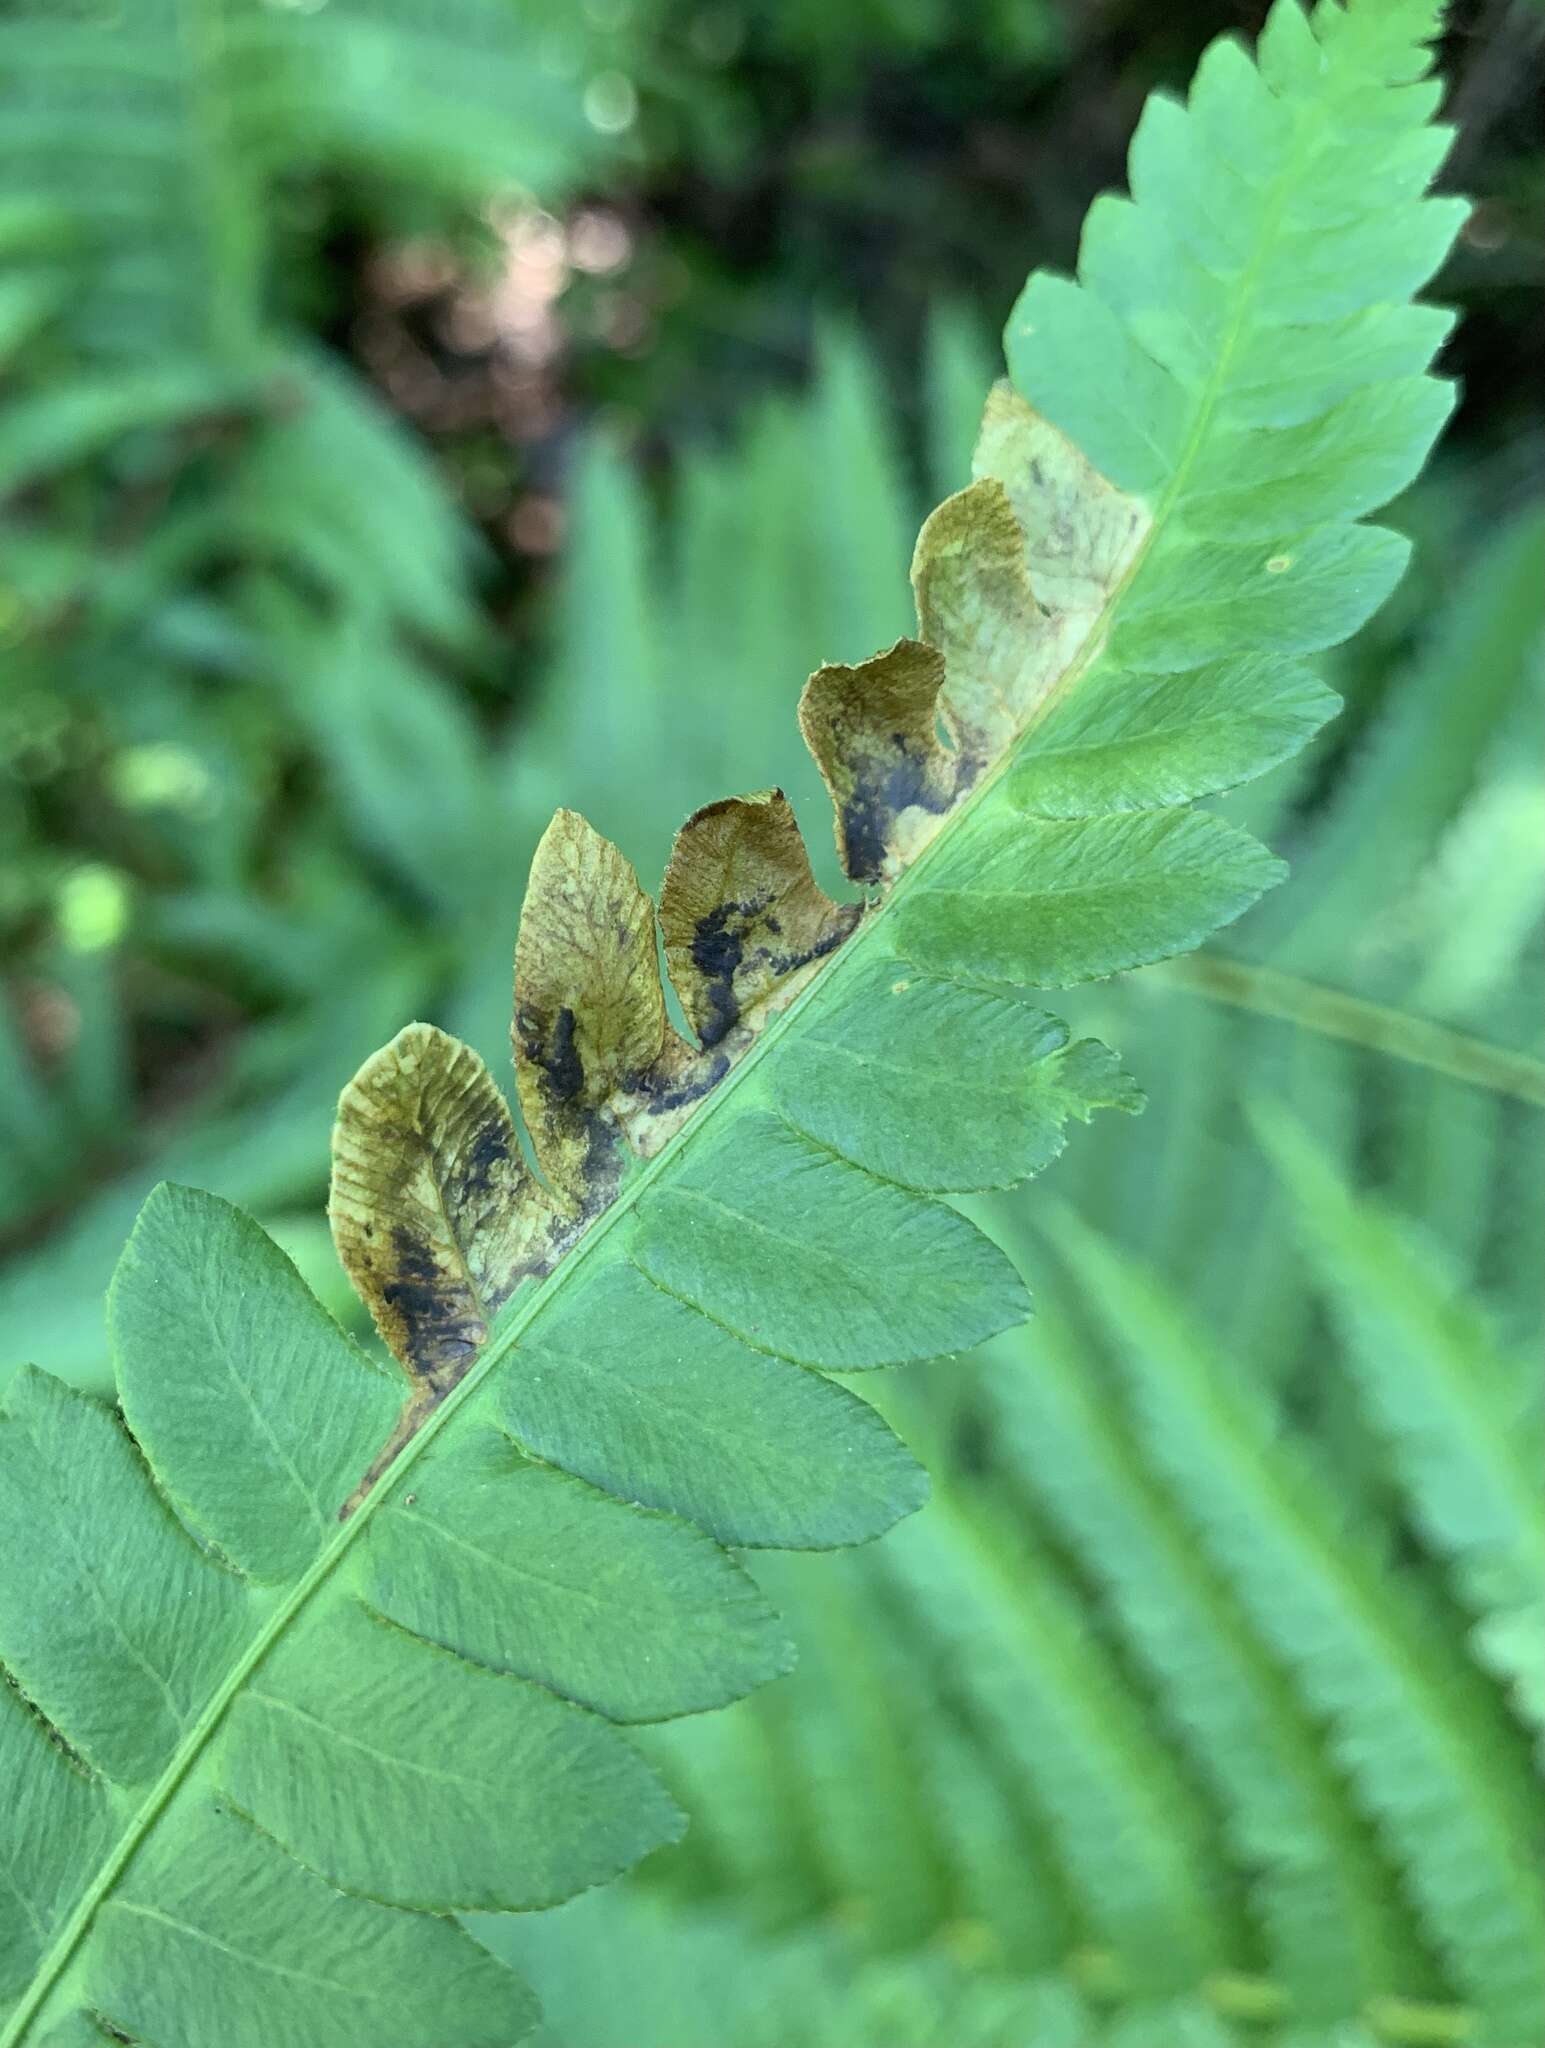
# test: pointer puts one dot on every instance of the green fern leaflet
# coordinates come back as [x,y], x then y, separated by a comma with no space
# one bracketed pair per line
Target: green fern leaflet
[304,1658]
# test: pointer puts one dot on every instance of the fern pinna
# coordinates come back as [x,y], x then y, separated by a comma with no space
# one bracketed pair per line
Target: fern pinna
[304,1659]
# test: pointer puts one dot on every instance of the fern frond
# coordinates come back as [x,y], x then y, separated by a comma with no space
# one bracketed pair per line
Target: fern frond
[1039,1690]
[1459,1424]
[702,1979]
[1331,1937]
[1438,1766]
[318,1741]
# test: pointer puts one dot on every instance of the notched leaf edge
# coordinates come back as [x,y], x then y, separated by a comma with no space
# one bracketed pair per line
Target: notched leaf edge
[437,1217]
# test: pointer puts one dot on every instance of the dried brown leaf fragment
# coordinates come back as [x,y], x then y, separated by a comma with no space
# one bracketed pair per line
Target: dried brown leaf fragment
[741,911]
[434,1212]
[590,1021]
[874,732]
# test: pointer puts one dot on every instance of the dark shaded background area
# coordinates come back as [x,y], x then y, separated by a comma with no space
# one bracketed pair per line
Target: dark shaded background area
[782,167]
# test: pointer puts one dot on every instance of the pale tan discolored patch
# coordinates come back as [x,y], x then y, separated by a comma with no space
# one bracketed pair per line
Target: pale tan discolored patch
[433,1211]
[975,604]
[1080,533]
[874,733]
[590,1020]
[740,910]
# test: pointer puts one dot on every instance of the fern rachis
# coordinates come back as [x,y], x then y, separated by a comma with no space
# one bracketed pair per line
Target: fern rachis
[1110,619]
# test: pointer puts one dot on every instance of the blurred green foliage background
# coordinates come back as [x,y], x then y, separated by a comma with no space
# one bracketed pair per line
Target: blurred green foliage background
[418,413]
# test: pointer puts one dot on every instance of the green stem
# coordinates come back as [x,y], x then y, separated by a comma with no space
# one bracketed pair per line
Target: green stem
[1271,993]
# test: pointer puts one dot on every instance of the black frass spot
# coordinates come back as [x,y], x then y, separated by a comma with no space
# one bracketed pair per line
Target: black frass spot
[718,947]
